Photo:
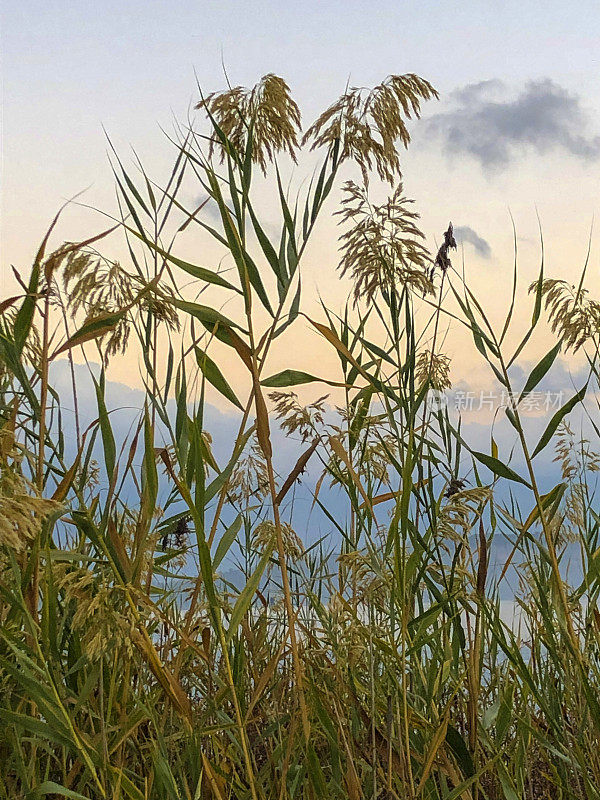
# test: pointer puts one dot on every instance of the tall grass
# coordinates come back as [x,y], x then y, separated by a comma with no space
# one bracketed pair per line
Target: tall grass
[131,664]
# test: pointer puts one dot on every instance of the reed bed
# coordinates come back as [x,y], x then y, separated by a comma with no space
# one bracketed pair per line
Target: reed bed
[372,664]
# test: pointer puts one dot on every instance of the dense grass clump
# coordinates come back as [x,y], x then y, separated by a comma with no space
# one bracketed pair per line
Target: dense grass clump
[134,663]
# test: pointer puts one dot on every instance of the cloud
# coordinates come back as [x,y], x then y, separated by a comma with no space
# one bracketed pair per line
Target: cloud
[463,233]
[472,92]
[495,128]
[210,211]
[210,208]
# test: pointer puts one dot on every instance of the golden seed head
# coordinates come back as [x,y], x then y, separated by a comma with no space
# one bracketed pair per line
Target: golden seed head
[366,125]
[573,314]
[383,248]
[434,367]
[267,113]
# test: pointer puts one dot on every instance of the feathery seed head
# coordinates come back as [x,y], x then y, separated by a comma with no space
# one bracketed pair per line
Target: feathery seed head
[267,112]
[383,249]
[434,367]
[573,314]
[366,125]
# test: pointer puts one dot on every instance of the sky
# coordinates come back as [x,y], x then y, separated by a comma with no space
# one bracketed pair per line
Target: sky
[516,130]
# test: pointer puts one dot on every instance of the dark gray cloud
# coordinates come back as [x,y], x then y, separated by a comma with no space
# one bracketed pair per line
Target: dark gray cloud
[485,122]
[463,233]
[472,92]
